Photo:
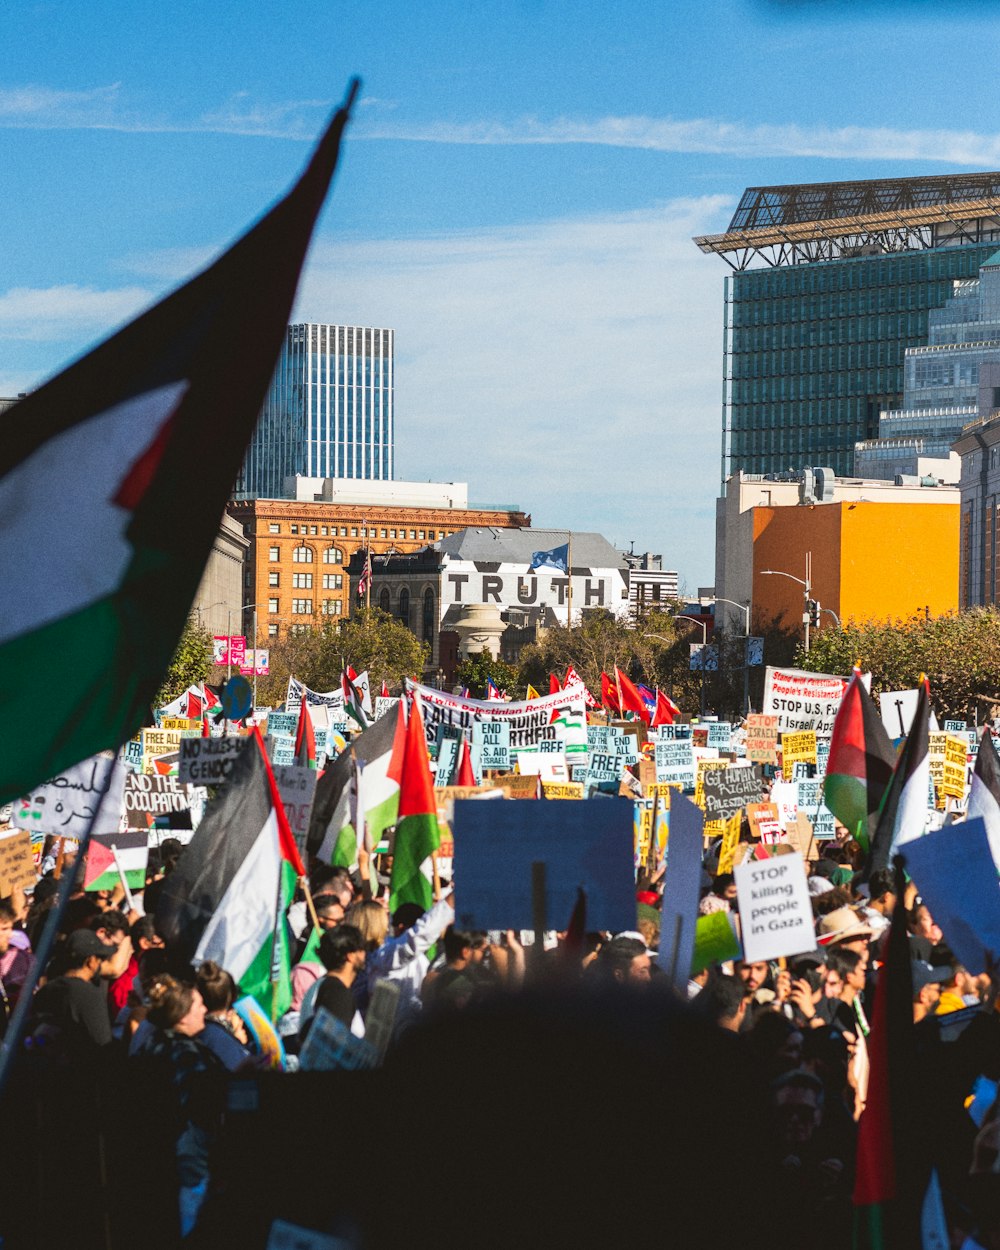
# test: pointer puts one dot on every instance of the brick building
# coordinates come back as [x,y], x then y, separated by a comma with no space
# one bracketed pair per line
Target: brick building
[296,564]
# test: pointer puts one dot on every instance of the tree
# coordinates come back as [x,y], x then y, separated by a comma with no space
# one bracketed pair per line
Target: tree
[959,652]
[478,669]
[191,663]
[370,640]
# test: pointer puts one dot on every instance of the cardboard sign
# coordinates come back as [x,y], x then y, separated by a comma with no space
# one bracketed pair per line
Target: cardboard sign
[208,761]
[584,846]
[517,787]
[493,738]
[331,1046]
[764,821]
[150,795]
[730,840]
[897,708]
[297,787]
[384,704]
[562,790]
[728,790]
[715,940]
[705,766]
[530,721]
[283,724]
[66,804]
[720,734]
[447,759]
[775,912]
[802,700]
[17,863]
[675,761]
[762,738]
[796,747]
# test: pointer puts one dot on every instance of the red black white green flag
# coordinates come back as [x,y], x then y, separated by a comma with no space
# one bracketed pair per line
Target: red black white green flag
[861,763]
[92,462]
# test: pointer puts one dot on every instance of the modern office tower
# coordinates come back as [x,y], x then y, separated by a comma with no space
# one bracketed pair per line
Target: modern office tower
[832,283]
[328,413]
[949,383]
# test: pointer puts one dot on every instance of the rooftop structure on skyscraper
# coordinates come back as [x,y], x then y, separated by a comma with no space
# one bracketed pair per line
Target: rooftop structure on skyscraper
[832,283]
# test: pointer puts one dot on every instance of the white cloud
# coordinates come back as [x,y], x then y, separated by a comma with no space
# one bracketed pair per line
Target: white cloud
[571,367]
[58,313]
[713,136]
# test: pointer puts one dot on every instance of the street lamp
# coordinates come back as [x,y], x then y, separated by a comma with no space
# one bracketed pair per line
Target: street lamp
[229,650]
[745,609]
[807,593]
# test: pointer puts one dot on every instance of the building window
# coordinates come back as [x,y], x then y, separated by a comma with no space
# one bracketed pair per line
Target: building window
[413,535]
[332,607]
[354,531]
[392,533]
[295,529]
[302,555]
[422,535]
[382,534]
[272,605]
[297,629]
[404,606]
[343,531]
[302,607]
[333,555]
[322,529]
[272,631]
[272,553]
[274,579]
[312,529]
[333,581]
[384,599]
[274,529]
[302,581]
[428,615]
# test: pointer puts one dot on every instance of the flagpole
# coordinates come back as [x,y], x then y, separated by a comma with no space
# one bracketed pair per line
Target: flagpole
[569,579]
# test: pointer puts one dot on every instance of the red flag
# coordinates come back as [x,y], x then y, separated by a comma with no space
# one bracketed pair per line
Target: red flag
[554,686]
[573,678]
[205,731]
[666,710]
[609,695]
[384,692]
[631,699]
[465,777]
[305,739]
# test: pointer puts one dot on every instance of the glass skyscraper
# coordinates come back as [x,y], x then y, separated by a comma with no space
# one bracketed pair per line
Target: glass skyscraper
[328,413]
[815,338]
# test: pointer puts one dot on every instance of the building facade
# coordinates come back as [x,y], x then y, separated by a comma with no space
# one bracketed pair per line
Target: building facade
[299,550]
[217,605]
[328,412]
[847,276]
[650,584]
[979,561]
[871,550]
[474,590]
[948,383]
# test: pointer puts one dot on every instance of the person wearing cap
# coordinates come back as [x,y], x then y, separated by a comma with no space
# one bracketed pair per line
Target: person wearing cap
[927,982]
[70,1014]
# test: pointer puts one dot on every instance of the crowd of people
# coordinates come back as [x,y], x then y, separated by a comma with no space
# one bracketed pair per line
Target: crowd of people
[112,992]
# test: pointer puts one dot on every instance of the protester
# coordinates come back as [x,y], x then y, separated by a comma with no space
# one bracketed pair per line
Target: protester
[224,1033]
[70,1021]
[342,951]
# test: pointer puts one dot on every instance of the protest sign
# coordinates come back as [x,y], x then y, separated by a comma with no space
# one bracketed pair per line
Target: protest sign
[128,851]
[775,913]
[955,727]
[161,741]
[675,761]
[447,758]
[562,789]
[730,840]
[184,723]
[786,795]
[604,768]
[681,889]
[715,940]
[269,1044]
[297,786]
[798,747]
[282,724]
[529,721]
[133,753]
[66,804]
[705,766]
[897,708]
[762,738]
[331,1046]
[493,738]
[728,790]
[148,796]
[720,734]
[17,863]
[325,707]
[384,704]
[676,730]
[584,846]
[516,786]
[764,821]
[208,761]
[549,765]
[642,828]
[802,700]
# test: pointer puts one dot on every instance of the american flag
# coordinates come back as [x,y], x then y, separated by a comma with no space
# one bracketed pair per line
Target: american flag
[365,580]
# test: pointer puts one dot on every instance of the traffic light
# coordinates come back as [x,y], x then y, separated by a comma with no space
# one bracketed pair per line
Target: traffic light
[813,608]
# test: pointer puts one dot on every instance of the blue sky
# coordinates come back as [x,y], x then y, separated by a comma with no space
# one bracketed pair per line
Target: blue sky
[517,199]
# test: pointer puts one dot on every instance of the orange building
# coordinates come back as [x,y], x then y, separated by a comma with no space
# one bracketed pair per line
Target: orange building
[869,561]
[296,564]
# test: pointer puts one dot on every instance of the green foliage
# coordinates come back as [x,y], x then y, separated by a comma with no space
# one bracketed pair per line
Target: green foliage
[191,663]
[370,640]
[960,653]
[478,669]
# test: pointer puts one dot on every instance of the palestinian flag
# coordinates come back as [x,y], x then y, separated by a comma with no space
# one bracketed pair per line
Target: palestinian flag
[861,763]
[904,807]
[305,739]
[889,1178]
[226,899]
[132,849]
[417,833]
[353,699]
[984,793]
[92,462]
[378,755]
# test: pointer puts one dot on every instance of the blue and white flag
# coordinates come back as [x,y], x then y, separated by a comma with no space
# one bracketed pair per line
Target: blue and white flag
[557,559]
